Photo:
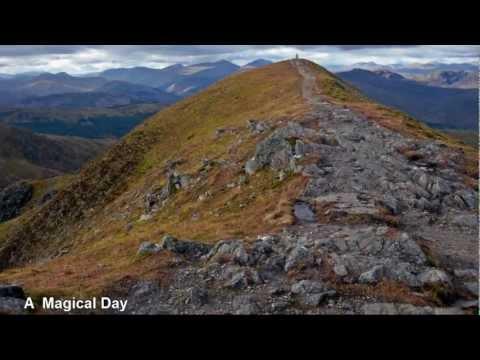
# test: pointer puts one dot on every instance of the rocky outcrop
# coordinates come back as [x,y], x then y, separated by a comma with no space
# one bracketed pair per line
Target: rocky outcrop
[174,245]
[281,149]
[156,199]
[12,300]
[13,199]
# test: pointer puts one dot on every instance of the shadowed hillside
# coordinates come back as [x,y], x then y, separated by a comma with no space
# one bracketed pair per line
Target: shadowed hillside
[24,155]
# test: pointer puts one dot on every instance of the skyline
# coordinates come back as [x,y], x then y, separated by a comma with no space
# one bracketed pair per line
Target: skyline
[81,59]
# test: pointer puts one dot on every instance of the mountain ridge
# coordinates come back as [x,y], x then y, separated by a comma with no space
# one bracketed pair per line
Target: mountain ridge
[277,173]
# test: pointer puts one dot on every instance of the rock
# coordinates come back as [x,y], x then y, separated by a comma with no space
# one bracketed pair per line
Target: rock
[197,296]
[226,251]
[148,248]
[312,293]
[257,127]
[272,266]
[244,278]
[12,306]
[205,196]
[280,305]
[307,287]
[251,166]
[299,258]
[245,305]
[391,204]
[340,270]
[13,198]
[156,199]
[184,247]
[12,291]
[145,217]
[472,287]
[434,277]
[372,276]
[275,151]
[300,148]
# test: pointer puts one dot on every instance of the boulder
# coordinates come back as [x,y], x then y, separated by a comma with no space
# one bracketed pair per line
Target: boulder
[12,306]
[12,291]
[257,127]
[245,305]
[373,275]
[229,250]
[197,296]
[434,277]
[148,248]
[299,258]
[311,293]
[243,278]
[184,247]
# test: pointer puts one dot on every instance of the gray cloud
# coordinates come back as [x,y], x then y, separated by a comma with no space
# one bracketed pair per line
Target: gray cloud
[91,58]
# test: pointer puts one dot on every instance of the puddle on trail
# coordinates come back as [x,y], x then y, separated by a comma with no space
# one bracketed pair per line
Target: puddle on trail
[303,213]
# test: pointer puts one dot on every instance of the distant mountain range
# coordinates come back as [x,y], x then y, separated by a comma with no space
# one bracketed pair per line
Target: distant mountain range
[114,87]
[462,76]
[178,79]
[106,104]
[25,155]
[450,79]
[437,106]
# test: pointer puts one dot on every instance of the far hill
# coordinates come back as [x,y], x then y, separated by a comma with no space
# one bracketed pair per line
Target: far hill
[255,64]
[143,75]
[49,84]
[111,94]
[111,122]
[25,155]
[439,107]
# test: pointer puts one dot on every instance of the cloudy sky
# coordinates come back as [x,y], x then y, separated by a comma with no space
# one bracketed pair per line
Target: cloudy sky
[77,59]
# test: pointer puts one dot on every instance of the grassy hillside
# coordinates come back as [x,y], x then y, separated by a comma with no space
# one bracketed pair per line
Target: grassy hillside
[95,208]
[95,223]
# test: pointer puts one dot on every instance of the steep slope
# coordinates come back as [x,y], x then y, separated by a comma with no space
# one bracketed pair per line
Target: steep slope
[24,155]
[327,195]
[440,107]
[185,130]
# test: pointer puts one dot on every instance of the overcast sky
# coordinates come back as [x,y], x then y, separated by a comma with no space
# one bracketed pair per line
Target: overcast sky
[78,59]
